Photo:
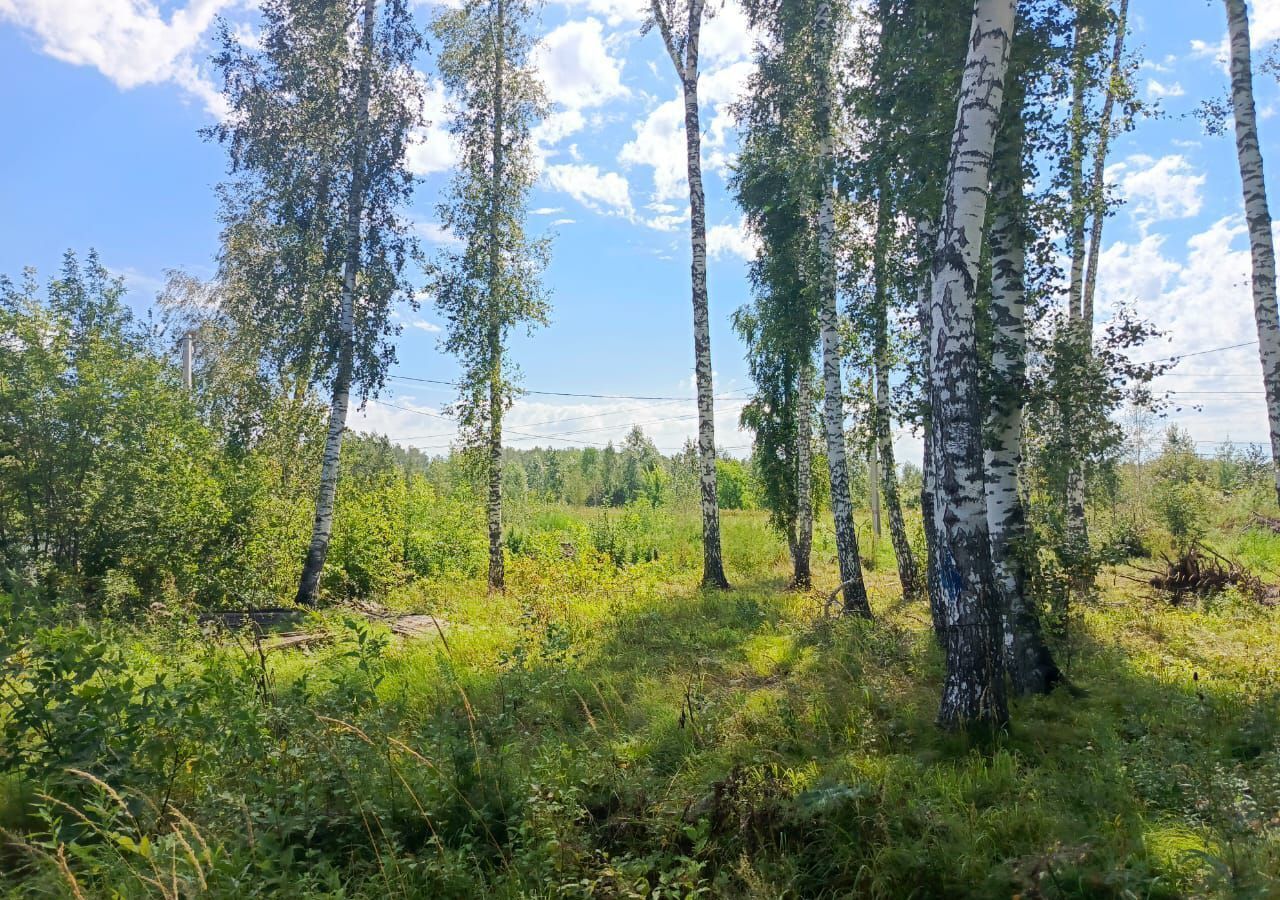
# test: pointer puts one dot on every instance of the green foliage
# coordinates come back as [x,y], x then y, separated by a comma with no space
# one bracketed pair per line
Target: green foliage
[105,469]
[735,486]
[316,137]
[489,285]
[614,731]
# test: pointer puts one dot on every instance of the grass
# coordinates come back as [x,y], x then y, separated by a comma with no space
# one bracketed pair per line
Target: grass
[613,731]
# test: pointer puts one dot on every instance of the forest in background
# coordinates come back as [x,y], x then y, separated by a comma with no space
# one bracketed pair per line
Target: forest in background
[247,651]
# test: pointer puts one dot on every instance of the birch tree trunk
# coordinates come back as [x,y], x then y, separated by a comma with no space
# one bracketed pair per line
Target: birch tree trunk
[683,51]
[322,528]
[908,572]
[1258,215]
[973,694]
[1077,524]
[497,570]
[802,577]
[712,561]
[882,421]
[1031,667]
[873,486]
[855,590]
[926,236]
[1100,163]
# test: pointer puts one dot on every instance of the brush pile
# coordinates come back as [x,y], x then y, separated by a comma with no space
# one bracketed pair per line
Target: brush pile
[1199,572]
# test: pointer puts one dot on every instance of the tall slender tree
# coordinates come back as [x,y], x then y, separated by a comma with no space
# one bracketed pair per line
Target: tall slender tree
[680,24]
[1117,87]
[885,284]
[314,237]
[773,183]
[1027,657]
[973,692]
[1258,215]
[825,43]
[1077,528]
[491,284]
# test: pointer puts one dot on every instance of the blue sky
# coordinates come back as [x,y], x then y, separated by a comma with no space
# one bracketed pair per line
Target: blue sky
[104,99]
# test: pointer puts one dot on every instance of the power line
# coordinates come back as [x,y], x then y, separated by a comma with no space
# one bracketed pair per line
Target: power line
[615,412]
[523,434]
[1180,356]
[567,393]
[1229,393]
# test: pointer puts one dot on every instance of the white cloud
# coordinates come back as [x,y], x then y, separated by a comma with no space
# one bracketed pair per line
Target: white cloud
[594,189]
[432,149]
[559,222]
[735,240]
[1159,189]
[659,137]
[1201,302]
[659,143]
[1157,90]
[726,36]
[577,68]
[435,233]
[424,325]
[546,210]
[615,12]
[1264,27]
[128,41]
[558,126]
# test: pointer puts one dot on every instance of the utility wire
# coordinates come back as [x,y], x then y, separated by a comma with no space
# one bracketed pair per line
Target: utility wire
[513,431]
[1179,356]
[616,412]
[567,393]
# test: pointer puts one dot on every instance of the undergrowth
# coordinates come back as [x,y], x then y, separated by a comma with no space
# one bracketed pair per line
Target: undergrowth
[604,729]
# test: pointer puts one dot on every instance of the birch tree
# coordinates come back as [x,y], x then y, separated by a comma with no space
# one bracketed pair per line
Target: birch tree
[680,24]
[1117,88]
[1027,658]
[905,108]
[491,284]
[1258,216]
[885,283]
[773,183]
[822,69]
[1077,530]
[973,693]
[320,117]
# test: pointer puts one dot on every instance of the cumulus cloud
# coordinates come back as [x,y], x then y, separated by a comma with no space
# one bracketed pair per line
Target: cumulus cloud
[615,12]
[432,148]
[578,70]
[424,325]
[1159,189]
[659,137]
[1264,27]
[128,41]
[1157,90]
[602,191]
[1175,290]
[731,240]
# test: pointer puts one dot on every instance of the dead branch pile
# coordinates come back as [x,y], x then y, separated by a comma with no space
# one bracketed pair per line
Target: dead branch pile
[1267,522]
[1200,571]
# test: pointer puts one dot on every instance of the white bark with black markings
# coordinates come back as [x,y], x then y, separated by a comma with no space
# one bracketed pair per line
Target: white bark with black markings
[683,50]
[1027,658]
[926,237]
[855,590]
[973,693]
[322,527]
[802,576]
[1258,214]
[497,570]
